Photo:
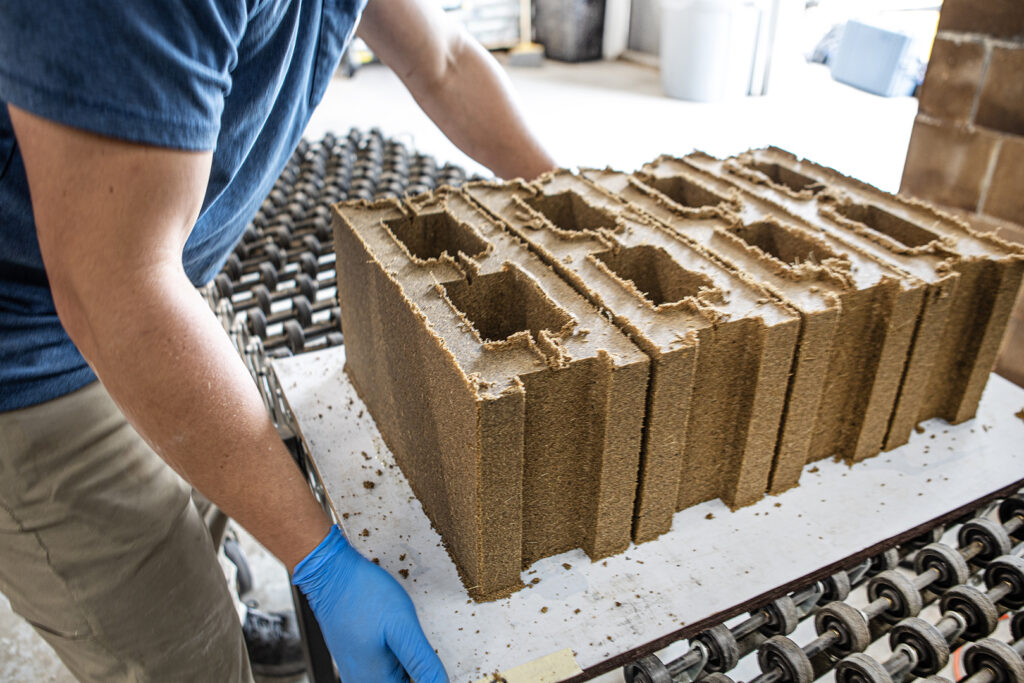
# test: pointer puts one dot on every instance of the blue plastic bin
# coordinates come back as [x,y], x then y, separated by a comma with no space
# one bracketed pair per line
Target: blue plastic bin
[875,60]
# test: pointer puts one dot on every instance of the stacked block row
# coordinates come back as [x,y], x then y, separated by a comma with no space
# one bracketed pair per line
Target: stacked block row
[567,363]
[967,147]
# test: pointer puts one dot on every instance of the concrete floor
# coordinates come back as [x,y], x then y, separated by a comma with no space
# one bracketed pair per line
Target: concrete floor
[597,114]
[613,114]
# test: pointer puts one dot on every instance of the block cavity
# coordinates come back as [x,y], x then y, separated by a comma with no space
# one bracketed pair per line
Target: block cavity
[972,279]
[513,407]
[721,347]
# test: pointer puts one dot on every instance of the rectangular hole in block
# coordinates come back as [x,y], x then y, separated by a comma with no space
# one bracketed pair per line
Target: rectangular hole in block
[569,211]
[504,303]
[686,192]
[786,245]
[887,224]
[654,273]
[785,176]
[428,235]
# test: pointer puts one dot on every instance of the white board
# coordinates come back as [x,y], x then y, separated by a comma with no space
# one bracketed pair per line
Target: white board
[711,561]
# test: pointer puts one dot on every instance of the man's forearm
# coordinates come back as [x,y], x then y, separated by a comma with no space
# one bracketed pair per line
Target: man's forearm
[473,104]
[112,218]
[457,84]
[171,369]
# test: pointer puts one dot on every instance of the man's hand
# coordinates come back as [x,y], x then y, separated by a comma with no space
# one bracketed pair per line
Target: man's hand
[367,619]
[456,82]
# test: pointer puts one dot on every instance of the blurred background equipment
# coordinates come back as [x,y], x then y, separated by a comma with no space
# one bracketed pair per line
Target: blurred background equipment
[571,30]
[875,59]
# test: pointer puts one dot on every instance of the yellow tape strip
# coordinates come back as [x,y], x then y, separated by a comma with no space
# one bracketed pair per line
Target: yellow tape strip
[551,668]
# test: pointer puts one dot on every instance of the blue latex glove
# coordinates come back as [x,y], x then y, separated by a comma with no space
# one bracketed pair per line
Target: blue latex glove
[367,619]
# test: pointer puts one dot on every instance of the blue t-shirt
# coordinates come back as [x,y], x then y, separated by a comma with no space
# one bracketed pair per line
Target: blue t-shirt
[239,77]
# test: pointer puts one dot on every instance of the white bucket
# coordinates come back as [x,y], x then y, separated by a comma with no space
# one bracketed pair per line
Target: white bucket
[707,48]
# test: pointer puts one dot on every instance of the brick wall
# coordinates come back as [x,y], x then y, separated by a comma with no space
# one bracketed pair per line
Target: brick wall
[967,147]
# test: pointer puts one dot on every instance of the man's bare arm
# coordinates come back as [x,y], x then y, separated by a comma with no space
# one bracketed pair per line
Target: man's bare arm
[456,82]
[112,218]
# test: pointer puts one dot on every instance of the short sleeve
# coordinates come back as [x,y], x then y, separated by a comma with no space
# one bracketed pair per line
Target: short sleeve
[150,71]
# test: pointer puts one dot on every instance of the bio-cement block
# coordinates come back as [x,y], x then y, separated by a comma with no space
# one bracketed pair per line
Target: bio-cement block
[513,407]
[999,103]
[972,280]
[878,310]
[953,81]
[947,163]
[1005,197]
[997,18]
[795,266]
[721,347]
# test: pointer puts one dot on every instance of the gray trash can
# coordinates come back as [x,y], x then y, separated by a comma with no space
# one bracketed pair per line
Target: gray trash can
[570,30]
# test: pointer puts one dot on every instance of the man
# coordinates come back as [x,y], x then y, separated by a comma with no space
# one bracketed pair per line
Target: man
[136,140]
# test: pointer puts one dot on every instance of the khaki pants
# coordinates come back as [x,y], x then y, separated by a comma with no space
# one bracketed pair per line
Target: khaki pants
[104,552]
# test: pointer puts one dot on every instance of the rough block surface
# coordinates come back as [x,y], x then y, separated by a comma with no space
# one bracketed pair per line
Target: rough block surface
[953,81]
[1010,362]
[879,308]
[1001,103]
[785,259]
[938,248]
[1005,197]
[998,18]
[947,165]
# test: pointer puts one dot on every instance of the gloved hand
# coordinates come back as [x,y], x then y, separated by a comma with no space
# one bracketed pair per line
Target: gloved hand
[367,619]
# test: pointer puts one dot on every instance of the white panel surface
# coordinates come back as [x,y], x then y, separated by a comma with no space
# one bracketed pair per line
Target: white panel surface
[712,560]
